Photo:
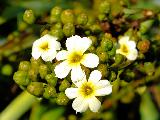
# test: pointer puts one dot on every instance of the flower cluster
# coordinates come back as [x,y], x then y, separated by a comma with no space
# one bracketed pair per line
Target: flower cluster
[72,59]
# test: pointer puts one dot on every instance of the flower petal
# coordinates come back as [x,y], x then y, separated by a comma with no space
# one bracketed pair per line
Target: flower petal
[77,43]
[77,75]
[103,83]
[90,60]
[131,44]
[49,55]
[104,91]
[123,40]
[61,55]
[132,55]
[35,53]
[94,104]
[95,76]
[80,104]
[71,92]
[62,70]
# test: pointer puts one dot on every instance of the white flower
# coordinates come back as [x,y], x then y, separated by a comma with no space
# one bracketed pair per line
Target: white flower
[45,47]
[86,92]
[74,57]
[127,48]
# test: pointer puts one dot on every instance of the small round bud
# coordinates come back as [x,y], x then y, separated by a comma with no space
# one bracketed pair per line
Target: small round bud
[57,33]
[64,85]
[112,52]
[35,63]
[112,76]
[106,44]
[103,68]
[95,28]
[32,73]
[62,99]
[68,29]
[119,58]
[143,46]
[67,16]
[51,79]
[29,17]
[94,40]
[7,69]
[21,78]
[104,7]
[103,56]
[24,66]
[82,19]
[36,88]
[49,92]
[92,49]
[55,14]
[43,70]
[102,17]
[72,117]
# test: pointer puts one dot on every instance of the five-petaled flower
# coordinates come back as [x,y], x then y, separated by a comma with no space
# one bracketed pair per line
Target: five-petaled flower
[45,47]
[86,92]
[74,57]
[127,48]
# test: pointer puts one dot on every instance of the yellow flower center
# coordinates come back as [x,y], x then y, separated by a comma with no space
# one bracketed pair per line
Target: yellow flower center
[124,49]
[87,89]
[75,58]
[44,46]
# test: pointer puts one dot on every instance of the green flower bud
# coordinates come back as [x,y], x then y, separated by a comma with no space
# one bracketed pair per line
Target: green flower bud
[24,66]
[57,33]
[95,28]
[149,68]
[92,49]
[43,70]
[29,17]
[67,16]
[82,19]
[51,79]
[7,69]
[103,68]
[145,26]
[91,21]
[106,44]
[112,76]
[112,52]
[102,17]
[129,75]
[57,26]
[143,46]
[68,29]
[94,40]
[104,7]
[62,99]
[21,78]
[36,88]
[64,85]
[103,56]
[119,58]
[35,63]
[72,117]
[49,92]
[32,73]
[55,14]
[22,26]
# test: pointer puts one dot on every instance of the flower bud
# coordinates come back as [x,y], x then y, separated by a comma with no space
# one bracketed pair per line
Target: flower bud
[68,29]
[7,69]
[112,52]
[55,14]
[72,117]
[145,26]
[64,85]
[29,17]
[43,70]
[95,28]
[119,58]
[106,44]
[32,73]
[57,33]
[103,56]
[21,78]
[103,68]
[35,63]
[112,76]
[51,79]
[24,66]
[94,40]
[67,16]
[82,19]
[62,99]
[104,7]
[49,92]
[143,46]
[36,88]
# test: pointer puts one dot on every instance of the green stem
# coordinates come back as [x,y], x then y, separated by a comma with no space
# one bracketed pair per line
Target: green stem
[18,106]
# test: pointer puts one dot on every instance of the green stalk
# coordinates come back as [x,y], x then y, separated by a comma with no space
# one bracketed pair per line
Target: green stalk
[18,106]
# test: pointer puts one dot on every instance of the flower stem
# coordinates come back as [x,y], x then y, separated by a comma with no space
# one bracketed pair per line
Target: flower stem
[18,106]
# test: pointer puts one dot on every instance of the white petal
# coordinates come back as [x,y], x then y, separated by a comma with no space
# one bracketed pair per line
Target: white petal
[62,70]
[77,43]
[103,83]
[80,104]
[123,40]
[95,76]
[77,75]
[49,55]
[36,53]
[131,44]
[71,92]
[132,55]
[104,91]
[61,55]
[90,60]
[94,104]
